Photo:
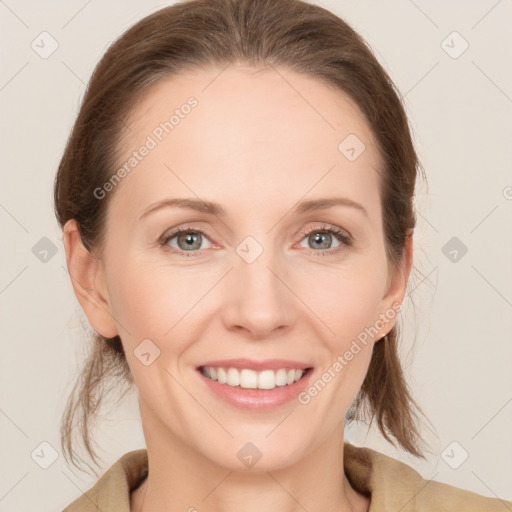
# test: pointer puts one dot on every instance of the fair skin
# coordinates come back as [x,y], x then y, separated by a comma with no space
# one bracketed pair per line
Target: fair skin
[255,145]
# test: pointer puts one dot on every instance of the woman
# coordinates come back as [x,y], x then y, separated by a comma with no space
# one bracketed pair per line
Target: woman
[236,203]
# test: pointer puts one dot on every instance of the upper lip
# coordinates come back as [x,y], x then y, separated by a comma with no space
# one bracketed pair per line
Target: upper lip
[258,366]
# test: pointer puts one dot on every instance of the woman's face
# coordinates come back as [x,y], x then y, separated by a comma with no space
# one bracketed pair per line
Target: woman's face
[263,279]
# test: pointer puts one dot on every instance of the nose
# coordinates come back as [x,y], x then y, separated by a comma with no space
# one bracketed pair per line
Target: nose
[257,300]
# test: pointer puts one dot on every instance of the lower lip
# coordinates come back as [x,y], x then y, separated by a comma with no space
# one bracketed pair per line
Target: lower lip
[257,399]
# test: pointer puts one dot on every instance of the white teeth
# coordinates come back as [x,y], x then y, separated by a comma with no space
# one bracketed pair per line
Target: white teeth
[221,375]
[281,377]
[250,379]
[266,379]
[233,377]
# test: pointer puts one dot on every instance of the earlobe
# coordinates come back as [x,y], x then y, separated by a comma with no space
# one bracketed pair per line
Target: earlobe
[86,274]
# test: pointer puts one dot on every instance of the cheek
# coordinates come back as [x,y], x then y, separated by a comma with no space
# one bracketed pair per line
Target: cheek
[349,307]
[150,302]
[347,299]
[149,298]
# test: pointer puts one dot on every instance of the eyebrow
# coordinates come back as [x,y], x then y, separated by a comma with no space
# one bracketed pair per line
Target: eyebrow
[213,208]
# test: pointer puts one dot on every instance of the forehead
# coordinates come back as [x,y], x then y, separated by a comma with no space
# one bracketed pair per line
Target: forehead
[270,98]
[251,129]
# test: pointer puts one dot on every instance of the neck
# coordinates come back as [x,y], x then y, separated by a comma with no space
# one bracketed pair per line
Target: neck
[182,479]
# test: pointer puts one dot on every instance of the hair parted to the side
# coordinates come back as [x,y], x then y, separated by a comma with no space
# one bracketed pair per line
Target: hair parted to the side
[288,33]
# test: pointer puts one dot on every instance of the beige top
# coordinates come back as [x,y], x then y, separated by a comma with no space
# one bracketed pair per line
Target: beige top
[392,485]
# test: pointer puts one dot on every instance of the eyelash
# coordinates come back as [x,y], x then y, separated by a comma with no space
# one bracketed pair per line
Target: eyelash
[345,240]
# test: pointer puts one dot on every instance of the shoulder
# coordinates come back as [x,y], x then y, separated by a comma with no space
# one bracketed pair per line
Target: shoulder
[112,491]
[393,485]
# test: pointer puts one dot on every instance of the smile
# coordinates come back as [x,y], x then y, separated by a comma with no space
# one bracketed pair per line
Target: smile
[251,379]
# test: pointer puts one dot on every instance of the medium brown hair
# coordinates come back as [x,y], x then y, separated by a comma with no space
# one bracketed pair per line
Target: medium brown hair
[290,33]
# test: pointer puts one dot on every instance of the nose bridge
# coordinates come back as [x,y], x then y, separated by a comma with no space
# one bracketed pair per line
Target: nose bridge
[257,299]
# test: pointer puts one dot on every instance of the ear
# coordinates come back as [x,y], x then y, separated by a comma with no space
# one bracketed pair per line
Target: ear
[397,287]
[87,277]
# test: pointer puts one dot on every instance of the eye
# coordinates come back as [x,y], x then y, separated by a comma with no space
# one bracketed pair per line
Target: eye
[187,240]
[323,237]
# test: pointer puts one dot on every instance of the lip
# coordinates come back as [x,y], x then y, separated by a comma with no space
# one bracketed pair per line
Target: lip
[257,366]
[257,399]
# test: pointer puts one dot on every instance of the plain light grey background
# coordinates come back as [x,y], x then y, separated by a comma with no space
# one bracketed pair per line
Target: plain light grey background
[450,60]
